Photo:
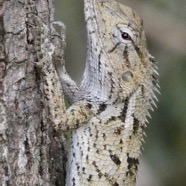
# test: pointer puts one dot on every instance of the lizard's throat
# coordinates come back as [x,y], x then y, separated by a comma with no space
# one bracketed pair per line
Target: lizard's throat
[95,83]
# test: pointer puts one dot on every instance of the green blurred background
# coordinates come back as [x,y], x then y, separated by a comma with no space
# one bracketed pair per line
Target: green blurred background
[164,159]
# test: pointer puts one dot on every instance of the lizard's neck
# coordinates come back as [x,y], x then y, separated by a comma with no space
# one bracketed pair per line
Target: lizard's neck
[95,84]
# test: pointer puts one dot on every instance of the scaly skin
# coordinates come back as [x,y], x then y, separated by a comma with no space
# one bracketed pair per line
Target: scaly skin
[109,109]
[119,82]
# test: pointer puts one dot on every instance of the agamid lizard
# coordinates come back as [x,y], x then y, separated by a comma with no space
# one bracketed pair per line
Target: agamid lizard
[110,108]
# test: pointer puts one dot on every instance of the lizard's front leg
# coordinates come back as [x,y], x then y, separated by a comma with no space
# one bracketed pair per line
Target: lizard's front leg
[69,86]
[61,118]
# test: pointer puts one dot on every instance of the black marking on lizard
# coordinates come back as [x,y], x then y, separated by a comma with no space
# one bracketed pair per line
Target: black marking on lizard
[77,166]
[92,32]
[100,174]
[99,61]
[89,105]
[83,169]
[132,165]
[118,130]
[136,125]
[73,181]
[89,179]
[132,161]
[152,59]
[138,51]
[115,184]
[104,136]
[112,83]
[124,111]
[102,107]
[90,18]
[154,80]
[115,159]
[121,141]
[126,57]
[114,48]
[112,118]
[87,158]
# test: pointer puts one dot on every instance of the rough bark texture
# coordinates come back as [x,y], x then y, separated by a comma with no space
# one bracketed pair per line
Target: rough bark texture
[30,150]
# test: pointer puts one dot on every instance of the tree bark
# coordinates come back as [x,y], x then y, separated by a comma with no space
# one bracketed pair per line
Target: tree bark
[31,152]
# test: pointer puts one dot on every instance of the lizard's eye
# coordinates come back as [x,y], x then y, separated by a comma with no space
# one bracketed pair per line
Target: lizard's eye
[125,36]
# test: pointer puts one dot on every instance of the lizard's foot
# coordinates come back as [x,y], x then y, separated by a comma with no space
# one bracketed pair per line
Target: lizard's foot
[62,31]
[58,40]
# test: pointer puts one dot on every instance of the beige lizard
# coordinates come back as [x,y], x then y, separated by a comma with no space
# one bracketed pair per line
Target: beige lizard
[110,108]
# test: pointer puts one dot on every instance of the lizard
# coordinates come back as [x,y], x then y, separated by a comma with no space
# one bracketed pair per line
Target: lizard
[109,109]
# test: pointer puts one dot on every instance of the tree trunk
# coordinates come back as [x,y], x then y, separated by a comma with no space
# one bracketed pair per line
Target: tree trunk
[31,152]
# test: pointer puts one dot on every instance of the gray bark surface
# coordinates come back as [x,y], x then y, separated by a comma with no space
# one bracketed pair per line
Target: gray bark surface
[31,152]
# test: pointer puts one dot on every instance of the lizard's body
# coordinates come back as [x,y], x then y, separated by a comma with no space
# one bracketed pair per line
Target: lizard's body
[106,149]
[109,109]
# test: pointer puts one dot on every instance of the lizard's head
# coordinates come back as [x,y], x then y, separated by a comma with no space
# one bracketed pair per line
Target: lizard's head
[117,48]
